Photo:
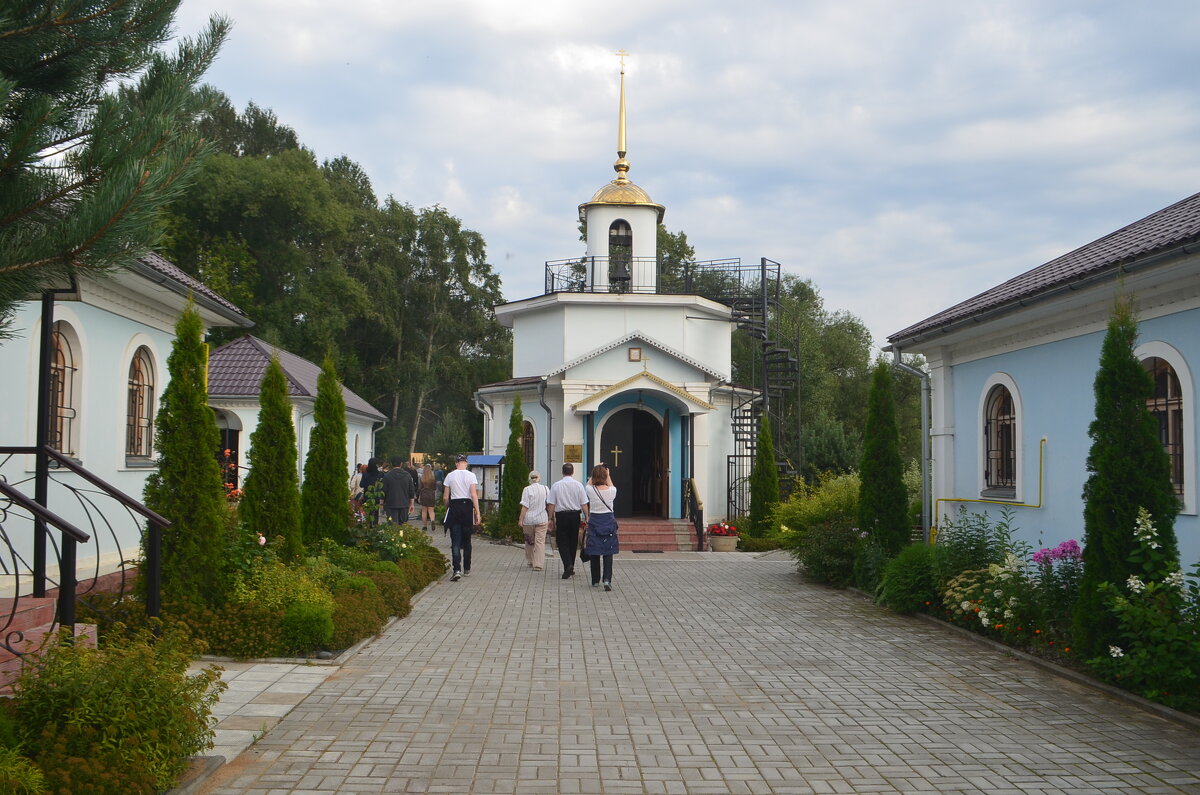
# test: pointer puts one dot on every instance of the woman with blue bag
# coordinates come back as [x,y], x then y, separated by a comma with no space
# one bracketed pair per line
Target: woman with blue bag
[600,542]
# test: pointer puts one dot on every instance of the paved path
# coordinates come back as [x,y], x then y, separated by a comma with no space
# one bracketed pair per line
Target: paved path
[699,673]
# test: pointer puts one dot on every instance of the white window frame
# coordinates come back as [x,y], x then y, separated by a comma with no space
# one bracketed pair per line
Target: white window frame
[1005,380]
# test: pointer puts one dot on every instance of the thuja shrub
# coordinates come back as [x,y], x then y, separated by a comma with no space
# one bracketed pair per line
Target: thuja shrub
[306,627]
[907,585]
[127,713]
[817,525]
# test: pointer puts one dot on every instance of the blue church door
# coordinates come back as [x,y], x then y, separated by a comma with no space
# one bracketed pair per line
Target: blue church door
[632,445]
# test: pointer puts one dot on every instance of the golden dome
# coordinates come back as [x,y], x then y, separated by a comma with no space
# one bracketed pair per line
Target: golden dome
[621,192]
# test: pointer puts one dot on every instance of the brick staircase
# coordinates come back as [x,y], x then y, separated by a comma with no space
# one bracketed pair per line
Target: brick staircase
[653,534]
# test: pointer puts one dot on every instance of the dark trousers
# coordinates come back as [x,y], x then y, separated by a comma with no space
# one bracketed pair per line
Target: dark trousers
[460,547]
[397,515]
[566,536]
[596,568]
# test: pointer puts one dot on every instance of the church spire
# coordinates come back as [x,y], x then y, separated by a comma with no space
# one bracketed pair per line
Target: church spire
[622,165]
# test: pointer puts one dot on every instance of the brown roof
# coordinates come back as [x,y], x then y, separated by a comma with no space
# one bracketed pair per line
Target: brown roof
[236,369]
[169,269]
[1159,232]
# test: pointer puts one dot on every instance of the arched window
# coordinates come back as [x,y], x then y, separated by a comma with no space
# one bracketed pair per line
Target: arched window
[1166,406]
[527,444]
[620,254]
[1000,443]
[63,397]
[139,407]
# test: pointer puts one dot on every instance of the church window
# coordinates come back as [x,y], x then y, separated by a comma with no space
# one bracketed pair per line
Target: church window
[1000,443]
[527,444]
[139,409]
[63,391]
[620,254]
[1166,406]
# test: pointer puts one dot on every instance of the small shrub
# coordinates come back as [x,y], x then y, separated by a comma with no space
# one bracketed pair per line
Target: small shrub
[765,544]
[869,560]
[129,707]
[274,586]
[242,631]
[357,614]
[19,775]
[817,524]
[306,627]
[907,585]
[971,542]
[396,593]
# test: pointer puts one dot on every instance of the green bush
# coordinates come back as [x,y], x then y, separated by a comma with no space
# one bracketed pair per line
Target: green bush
[869,560]
[275,585]
[395,590]
[972,542]
[306,627]
[19,775]
[907,585]
[817,525]
[764,544]
[130,707]
[357,614]
[242,631]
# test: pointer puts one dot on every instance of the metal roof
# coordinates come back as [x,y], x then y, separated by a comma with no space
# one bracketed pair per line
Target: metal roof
[202,291]
[1157,233]
[236,369]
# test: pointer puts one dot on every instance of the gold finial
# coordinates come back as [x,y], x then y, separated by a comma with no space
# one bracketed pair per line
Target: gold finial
[622,165]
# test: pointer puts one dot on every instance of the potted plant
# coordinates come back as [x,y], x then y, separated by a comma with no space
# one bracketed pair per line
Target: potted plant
[722,537]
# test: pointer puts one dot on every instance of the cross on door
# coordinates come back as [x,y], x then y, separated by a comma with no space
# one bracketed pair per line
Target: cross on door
[616,453]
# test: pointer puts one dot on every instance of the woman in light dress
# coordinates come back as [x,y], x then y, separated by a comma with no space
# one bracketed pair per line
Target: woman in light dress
[534,520]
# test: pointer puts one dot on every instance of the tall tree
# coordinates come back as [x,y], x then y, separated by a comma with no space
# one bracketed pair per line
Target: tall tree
[95,135]
[271,493]
[187,489]
[516,473]
[325,495]
[1128,470]
[764,480]
[882,496]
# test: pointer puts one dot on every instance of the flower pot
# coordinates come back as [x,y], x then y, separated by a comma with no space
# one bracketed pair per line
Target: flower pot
[723,543]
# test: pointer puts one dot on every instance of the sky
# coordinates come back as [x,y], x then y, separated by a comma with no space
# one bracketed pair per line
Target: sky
[903,156]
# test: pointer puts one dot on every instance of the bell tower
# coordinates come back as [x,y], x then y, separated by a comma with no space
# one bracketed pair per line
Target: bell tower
[622,225]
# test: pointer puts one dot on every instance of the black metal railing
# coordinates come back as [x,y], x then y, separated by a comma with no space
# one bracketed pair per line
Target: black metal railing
[723,280]
[695,510]
[94,499]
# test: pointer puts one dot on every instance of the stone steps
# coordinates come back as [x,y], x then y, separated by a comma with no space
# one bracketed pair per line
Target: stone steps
[649,534]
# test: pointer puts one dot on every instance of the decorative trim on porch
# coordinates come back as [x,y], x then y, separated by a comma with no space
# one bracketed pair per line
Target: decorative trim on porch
[660,383]
[637,335]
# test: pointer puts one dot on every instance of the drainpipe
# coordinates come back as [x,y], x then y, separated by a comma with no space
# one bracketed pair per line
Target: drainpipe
[549,426]
[924,376]
[489,413]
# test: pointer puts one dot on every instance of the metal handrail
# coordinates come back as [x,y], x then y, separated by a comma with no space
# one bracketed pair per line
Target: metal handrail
[50,517]
[695,510]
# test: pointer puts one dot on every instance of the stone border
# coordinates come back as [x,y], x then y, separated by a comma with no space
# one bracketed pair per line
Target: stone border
[1163,711]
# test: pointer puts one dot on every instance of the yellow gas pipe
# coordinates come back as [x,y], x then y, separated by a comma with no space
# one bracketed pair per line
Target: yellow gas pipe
[933,531]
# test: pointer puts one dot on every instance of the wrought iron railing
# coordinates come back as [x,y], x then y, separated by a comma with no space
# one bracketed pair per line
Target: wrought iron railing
[694,510]
[723,280]
[102,505]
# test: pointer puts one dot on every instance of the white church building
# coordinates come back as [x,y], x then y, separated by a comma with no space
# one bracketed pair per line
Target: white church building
[613,367]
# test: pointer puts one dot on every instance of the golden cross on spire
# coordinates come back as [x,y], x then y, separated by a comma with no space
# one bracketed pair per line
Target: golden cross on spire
[621,54]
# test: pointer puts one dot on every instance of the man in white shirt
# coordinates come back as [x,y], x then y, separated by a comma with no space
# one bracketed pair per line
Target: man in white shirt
[461,495]
[567,498]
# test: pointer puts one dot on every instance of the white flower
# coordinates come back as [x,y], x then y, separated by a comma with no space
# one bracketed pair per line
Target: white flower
[997,593]
[1174,579]
[1116,651]
[1134,584]
[965,605]
[983,617]
[1008,614]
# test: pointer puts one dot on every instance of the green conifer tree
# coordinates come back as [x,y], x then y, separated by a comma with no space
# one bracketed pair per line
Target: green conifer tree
[187,489]
[271,493]
[325,495]
[1128,470]
[764,481]
[516,474]
[95,134]
[882,497]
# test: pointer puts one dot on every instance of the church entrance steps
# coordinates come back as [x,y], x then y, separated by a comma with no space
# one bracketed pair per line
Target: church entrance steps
[34,619]
[653,534]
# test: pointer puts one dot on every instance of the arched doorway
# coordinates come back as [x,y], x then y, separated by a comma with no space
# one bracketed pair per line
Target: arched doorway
[631,443]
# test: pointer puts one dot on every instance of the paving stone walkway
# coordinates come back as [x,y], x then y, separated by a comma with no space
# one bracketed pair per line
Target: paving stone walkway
[699,673]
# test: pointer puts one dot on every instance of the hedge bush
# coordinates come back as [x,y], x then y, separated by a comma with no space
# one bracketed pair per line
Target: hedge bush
[817,525]
[907,585]
[306,627]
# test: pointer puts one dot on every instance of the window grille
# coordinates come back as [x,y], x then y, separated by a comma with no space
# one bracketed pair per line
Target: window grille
[1000,441]
[62,393]
[1166,406]
[527,444]
[139,420]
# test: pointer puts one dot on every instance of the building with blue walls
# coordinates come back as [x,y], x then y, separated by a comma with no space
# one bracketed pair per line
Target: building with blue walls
[1012,370]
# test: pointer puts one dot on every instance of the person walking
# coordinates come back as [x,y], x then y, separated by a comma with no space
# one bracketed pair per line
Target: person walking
[601,534]
[398,494]
[461,495]
[356,491]
[427,497]
[567,498]
[370,477]
[534,520]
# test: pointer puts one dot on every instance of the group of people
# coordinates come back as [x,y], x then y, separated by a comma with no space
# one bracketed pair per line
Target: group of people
[581,517]
[405,491]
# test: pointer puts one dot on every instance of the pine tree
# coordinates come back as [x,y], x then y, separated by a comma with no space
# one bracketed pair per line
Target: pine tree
[516,474]
[95,134]
[271,493]
[325,495]
[764,481]
[1128,470]
[188,489]
[882,497]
